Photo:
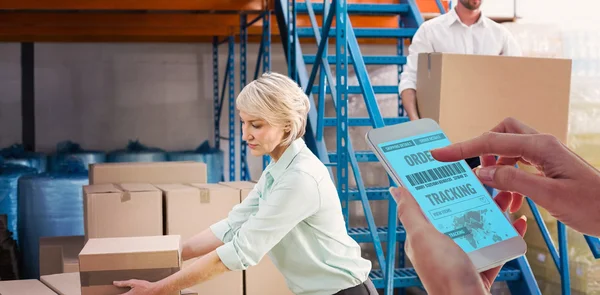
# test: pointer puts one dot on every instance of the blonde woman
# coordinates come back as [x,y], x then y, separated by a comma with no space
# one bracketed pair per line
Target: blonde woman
[293,214]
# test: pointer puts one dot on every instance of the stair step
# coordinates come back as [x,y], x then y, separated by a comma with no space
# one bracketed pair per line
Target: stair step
[306,32]
[407,277]
[369,59]
[361,156]
[362,235]
[391,89]
[331,122]
[373,193]
[360,9]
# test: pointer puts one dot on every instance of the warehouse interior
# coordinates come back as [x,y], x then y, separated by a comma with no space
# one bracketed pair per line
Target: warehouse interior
[105,99]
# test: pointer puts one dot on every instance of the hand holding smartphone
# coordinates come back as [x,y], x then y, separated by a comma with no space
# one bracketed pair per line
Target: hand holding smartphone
[449,194]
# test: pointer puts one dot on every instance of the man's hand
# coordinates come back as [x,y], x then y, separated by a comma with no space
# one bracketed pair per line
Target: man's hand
[443,267]
[567,187]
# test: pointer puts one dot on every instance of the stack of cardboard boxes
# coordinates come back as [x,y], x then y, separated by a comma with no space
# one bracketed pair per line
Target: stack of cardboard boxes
[136,218]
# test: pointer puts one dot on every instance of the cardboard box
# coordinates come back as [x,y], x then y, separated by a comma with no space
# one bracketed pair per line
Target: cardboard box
[191,209]
[470,94]
[63,283]
[264,278]
[156,172]
[245,187]
[124,210]
[69,284]
[105,260]
[59,254]
[20,287]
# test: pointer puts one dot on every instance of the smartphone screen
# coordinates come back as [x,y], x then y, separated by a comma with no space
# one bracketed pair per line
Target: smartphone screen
[450,194]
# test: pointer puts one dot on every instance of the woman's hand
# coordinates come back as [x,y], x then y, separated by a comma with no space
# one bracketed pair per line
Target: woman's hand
[567,187]
[138,287]
[443,267]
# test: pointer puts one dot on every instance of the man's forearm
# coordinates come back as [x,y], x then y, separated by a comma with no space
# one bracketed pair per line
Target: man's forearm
[199,271]
[409,101]
[200,244]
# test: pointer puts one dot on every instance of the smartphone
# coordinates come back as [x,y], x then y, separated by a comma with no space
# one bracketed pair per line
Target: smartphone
[449,194]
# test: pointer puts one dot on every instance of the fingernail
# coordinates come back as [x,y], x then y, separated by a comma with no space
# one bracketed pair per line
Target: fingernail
[486,173]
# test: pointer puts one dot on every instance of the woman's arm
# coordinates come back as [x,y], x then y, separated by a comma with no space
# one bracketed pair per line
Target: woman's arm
[201,270]
[200,244]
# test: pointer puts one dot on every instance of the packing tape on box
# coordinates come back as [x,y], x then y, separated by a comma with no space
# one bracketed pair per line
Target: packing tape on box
[204,196]
[107,277]
[125,195]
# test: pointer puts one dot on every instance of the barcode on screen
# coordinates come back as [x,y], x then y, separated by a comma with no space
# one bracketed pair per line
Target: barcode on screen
[435,174]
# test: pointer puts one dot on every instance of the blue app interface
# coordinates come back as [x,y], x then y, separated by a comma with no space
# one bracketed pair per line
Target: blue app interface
[449,194]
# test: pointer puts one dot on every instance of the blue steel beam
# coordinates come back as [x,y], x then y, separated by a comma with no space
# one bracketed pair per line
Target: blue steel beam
[231,80]
[341,87]
[369,60]
[322,43]
[352,122]
[377,122]
[216,107]
[266,58]
[564,259]
[414,19]
[361,9]
[544,231]
[594,244]
[244,171]
[365,33]
[440,6]
[322,83]
[391,89]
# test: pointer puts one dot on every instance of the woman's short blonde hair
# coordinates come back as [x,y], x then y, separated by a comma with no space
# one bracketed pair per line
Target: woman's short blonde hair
[279,101]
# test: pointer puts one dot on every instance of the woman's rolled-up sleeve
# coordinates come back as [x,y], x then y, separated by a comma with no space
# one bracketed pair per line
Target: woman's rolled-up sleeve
[293,198]
[225,229]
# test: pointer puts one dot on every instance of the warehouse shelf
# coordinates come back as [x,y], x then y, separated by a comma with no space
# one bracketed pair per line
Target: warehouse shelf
[407,277]
[364,33]
[369,60]
[363,234]
[331,122]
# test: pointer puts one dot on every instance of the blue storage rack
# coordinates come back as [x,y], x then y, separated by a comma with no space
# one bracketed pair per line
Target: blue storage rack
[392,273]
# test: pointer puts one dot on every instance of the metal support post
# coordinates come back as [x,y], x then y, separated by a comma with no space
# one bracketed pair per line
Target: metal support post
[244,171]
[216,104]
[267,58]
[231,84]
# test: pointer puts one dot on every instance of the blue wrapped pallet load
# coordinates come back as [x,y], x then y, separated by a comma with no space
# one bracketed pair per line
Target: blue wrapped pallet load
[9,179]
[137,152]
[68,150]
[212,157]
[16,154]
[49,205]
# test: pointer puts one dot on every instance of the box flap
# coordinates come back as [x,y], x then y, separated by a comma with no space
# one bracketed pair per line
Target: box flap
[64,283]
[20,287]
[101,189]
[138,187]
[175,187]
[239,184]
[212,186]
[155,172]
[130,253]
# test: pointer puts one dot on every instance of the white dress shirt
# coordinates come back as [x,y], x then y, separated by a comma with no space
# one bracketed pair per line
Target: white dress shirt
[447,33]
[294,215]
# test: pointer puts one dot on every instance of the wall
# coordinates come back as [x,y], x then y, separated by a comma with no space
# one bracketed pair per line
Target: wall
[103,95]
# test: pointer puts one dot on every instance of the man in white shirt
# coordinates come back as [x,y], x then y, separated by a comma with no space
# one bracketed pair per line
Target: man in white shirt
[463,30]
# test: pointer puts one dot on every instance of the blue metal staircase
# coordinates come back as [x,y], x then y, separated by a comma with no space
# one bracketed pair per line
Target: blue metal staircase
[392,273]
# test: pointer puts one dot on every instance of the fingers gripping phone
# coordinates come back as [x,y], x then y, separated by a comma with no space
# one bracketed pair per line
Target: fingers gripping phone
[450,195]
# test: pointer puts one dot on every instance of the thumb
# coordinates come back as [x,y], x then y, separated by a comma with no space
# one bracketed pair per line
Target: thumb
[123,284]
[409,212]
[509,178]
